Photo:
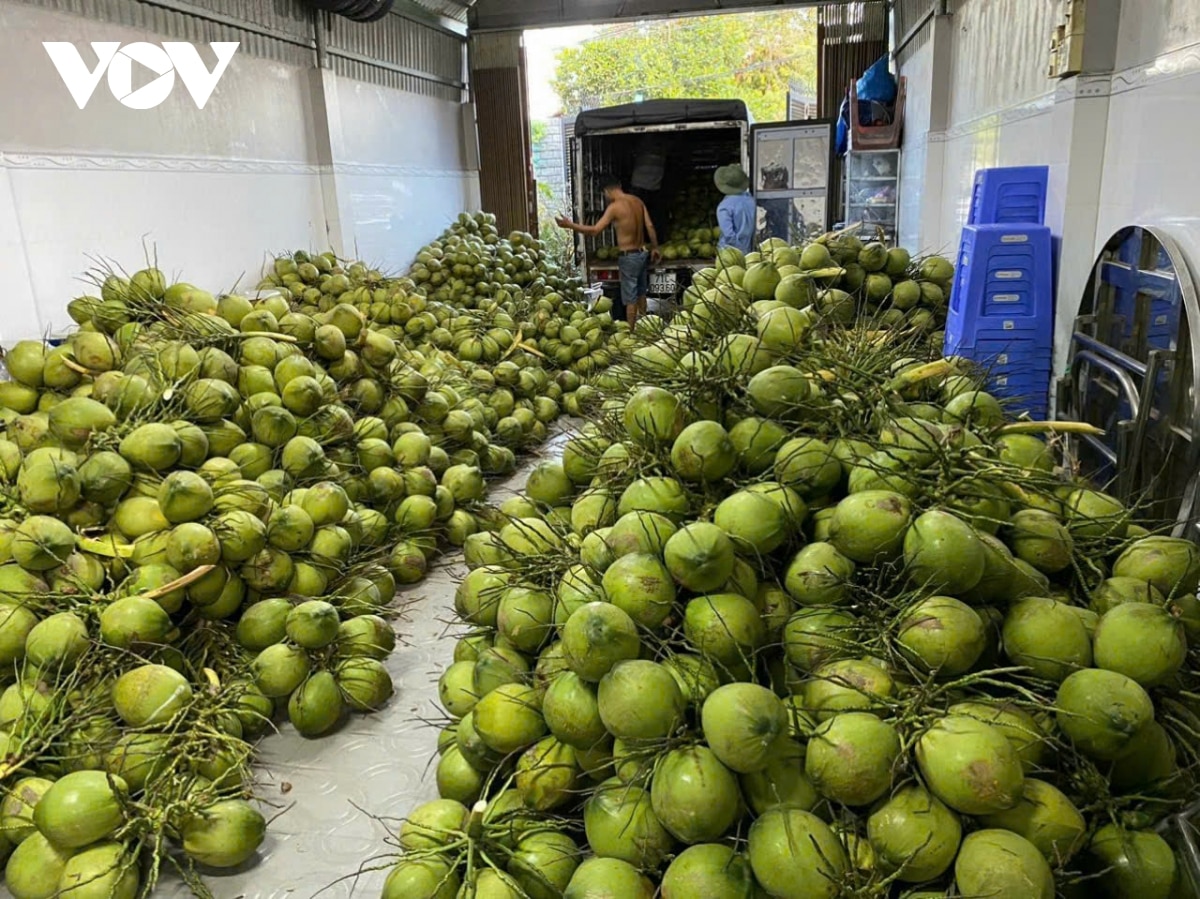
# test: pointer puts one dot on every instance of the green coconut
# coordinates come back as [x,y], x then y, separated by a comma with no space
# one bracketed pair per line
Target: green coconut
[150,695]
[134,620]
[694,795]
[741,723]
[57,642]
[699,557]
[16,810]
[1170,564]
[1027,734]
[596,637]
[654,416]
[943,635]
[754,521]
[976,409]
[850,757]
[662,495]
[942,552]
[1040,539]
[152,447]
[703,453]
[106,870]
[1094,515]
[780,392]
[970,766]
[869,526]
[642,586]
[542,864]
[781,781]
[312,624]
[1102,712]
[498,665]
[1045,817]
[75,419]
[847,685]
[607,878]
[547,774]
[695,675]
[815,636]
[417,877]
[456,688]
[365,683]
[1151,760]
[726,627]
[572,711]
[639,700]
[819,575]
[807,465]
[1132,863]
[279,669]
[41,542]
[35,868]
[80,808]
[1047,637]
[1004,865]
[757,441]
[225,834]
[914,835]
[795,855]
[509,718]
[104,477]
[1142,641]
[620,823]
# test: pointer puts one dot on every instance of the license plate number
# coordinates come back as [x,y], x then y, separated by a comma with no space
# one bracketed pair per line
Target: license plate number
[662,282]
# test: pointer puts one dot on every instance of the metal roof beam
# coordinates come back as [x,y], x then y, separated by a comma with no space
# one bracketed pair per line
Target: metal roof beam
[512,15]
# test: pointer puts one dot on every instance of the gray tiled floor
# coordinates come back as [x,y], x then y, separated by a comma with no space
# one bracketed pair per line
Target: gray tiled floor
[333,792]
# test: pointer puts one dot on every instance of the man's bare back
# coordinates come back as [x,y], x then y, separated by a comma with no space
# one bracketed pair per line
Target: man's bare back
[628,219]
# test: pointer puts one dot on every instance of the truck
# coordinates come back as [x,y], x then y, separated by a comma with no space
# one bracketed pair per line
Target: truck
[696,136]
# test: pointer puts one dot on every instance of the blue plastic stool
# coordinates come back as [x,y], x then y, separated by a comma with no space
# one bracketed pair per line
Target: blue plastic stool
[1012,195]
[1003,284]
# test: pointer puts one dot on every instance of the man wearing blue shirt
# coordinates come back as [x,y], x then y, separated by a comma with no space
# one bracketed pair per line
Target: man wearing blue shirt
[737,213]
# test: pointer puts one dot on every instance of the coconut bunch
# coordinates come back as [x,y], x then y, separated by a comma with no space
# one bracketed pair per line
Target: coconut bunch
[207,505]
[480,298]
[847,281]
[803,613]
[501,292]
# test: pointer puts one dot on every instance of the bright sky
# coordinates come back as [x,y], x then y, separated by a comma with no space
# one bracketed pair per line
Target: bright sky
[540,49]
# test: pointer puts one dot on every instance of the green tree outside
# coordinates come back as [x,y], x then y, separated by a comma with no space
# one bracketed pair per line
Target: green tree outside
[752,57]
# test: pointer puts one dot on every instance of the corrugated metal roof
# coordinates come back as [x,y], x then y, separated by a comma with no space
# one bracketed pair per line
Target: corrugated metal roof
[506,15]
[451,9]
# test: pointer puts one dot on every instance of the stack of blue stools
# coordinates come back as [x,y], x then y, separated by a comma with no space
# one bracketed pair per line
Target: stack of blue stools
[1002,301]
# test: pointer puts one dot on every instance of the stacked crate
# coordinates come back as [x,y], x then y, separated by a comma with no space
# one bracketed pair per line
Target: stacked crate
[1002,301]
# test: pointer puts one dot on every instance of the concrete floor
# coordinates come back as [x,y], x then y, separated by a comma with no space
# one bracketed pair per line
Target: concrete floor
[336,796]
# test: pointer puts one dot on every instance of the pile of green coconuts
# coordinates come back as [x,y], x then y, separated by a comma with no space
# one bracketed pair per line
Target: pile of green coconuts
[207,507]
[803,613]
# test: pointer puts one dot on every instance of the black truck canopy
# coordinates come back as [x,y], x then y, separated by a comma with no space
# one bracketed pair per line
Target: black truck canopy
[659,112]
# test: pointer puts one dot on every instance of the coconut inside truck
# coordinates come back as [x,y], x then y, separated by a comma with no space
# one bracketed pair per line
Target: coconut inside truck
[666,152]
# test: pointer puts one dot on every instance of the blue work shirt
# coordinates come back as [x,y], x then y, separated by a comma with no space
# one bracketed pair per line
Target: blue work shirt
[737,217]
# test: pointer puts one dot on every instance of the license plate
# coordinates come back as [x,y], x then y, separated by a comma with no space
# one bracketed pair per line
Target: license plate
[662,282]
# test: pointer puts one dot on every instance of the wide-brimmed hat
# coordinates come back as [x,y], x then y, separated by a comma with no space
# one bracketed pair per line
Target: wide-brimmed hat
[732,179]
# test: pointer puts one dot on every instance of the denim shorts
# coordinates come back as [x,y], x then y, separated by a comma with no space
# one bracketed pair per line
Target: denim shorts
[635,276]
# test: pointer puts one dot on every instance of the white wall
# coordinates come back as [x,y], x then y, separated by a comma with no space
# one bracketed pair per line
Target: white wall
[998,111]
[211,192]
[401,169]
[1150,163]
[1120,146]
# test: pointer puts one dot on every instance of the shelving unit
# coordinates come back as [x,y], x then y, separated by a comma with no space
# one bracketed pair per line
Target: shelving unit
[873,189]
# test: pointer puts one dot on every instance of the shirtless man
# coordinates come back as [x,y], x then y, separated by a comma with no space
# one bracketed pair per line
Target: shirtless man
[632,221]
